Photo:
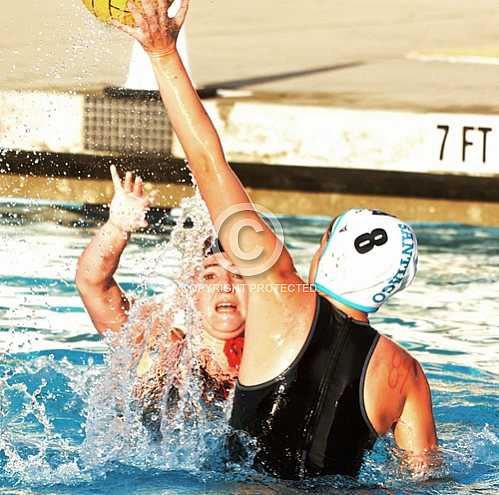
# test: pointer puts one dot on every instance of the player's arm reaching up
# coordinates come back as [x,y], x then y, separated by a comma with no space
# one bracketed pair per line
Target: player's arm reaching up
[251,245]
[103,298]
[219,186]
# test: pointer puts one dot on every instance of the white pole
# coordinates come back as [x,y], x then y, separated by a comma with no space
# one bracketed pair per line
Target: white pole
[140,73]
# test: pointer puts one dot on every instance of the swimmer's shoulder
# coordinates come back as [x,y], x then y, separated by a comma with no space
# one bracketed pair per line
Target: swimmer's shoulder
[388,350]
[391,361]
[392,376]
[401,400]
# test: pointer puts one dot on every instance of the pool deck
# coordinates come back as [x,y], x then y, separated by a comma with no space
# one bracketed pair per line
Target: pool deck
[396,108]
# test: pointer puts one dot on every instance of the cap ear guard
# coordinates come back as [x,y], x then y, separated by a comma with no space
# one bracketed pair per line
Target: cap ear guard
[369,257]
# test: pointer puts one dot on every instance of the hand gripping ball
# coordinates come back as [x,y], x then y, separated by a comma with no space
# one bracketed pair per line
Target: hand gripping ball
[105,10]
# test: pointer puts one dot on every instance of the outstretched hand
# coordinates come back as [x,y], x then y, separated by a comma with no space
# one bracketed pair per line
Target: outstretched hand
[154,29]
[129,205]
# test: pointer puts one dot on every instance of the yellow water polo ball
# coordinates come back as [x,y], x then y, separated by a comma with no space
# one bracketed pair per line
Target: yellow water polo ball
[105,10]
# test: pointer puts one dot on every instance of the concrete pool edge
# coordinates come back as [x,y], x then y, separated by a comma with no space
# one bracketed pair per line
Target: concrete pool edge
[279,148]
[281,189]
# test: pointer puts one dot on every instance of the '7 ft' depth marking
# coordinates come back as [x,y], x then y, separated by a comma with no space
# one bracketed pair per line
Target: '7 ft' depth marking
[465,141]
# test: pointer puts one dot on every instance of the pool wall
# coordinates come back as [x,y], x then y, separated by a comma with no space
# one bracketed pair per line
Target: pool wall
[299,154]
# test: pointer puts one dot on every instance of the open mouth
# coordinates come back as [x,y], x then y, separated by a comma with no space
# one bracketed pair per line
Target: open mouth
[225,307]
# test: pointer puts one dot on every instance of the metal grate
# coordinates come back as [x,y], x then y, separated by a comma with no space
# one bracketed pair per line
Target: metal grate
[126,123]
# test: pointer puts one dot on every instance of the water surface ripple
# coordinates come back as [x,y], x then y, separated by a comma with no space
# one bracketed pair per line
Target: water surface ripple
[51,360]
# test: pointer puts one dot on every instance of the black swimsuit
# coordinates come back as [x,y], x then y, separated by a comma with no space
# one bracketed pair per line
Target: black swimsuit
[311,419]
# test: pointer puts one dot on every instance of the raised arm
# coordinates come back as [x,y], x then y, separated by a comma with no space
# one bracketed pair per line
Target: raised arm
[240,227]
[103,298]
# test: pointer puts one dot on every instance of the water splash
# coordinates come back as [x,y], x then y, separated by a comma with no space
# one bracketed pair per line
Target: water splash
[38,396]
[160,419]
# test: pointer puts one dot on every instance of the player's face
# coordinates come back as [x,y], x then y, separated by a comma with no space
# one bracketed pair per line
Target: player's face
[222,299]
[317,256]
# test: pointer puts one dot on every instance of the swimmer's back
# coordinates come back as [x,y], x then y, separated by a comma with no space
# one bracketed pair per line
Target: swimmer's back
[310,420]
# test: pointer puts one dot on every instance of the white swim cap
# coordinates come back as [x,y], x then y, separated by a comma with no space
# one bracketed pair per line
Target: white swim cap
[369,256]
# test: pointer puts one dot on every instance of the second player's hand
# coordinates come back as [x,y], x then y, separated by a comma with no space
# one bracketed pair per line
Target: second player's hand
[129,205]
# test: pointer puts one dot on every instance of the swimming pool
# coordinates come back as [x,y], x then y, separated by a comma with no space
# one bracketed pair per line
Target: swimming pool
[52,361]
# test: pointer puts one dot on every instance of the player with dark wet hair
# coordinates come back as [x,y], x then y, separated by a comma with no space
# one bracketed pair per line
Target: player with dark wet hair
[220,300]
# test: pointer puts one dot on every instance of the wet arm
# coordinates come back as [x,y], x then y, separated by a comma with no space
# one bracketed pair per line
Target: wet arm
[218,184]
[103,298]
[415,431]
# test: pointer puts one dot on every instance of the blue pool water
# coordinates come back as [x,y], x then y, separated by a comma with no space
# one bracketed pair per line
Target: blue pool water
[55,436]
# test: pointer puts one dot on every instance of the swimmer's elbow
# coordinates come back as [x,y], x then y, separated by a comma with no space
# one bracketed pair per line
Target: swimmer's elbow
[204,169]
[80,280]
[88,283]
[83,280]
[207,160]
